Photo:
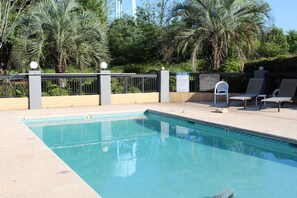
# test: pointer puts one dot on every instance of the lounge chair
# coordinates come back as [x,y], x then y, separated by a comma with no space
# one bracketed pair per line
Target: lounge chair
[286,93]
[254,88]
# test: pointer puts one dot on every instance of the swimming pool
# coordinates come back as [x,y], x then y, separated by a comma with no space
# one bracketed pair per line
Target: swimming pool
[155,155]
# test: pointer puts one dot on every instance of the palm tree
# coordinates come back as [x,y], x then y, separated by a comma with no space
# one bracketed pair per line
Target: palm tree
[57,32]
[215,26]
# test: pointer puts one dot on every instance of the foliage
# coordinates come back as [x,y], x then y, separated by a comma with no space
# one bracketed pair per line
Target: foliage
[159,11]
[216,26]
[133,41]
[10,10]
[54,90]
[153,67]
[54,33]
[275,43]
[96,6]
[280,64]
[9,13]
[292,41]
[13,89]
[231,66]
[124,37]
[133,89]
[139,69]
[117,86]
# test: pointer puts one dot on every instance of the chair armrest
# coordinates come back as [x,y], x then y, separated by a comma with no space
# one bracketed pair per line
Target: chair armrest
[275,92]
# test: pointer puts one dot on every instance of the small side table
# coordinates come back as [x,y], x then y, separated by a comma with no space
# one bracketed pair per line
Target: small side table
[262,96]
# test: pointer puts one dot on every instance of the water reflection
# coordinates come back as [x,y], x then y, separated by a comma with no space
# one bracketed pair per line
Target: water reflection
[126,158]
[117,141]
[230,140]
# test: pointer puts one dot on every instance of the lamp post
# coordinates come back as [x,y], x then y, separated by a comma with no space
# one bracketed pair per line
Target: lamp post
[34,86]
[104,80]
[33,65]
[103,65]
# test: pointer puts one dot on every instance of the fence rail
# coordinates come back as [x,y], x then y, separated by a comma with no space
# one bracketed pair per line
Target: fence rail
[87,84]
[134,83]
[77,84]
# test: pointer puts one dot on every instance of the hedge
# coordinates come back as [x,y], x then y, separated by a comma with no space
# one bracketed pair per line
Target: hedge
[281,64]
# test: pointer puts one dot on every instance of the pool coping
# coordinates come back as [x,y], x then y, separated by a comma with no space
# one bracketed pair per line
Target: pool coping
[242,130]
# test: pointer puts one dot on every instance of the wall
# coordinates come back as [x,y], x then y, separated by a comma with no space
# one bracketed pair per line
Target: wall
[70,101]
[93,100]
[190,97]
[134,98]
[195,97]
[13,103]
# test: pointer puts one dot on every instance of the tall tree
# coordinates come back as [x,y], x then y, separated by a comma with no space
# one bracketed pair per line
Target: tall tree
[275,43]
[215,26]
[9,13]
[99,7]
[292,41]
[55,31]
[10,10]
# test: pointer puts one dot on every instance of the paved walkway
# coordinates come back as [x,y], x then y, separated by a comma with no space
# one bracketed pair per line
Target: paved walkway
[29,169]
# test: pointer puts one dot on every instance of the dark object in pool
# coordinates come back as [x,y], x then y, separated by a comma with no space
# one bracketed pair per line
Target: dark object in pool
[228,193]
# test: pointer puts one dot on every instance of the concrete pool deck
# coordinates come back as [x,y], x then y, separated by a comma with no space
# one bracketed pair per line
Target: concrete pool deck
[29,169]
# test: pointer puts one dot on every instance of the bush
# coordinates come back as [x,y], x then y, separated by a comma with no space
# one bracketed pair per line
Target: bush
[55,90]
[230,66]
[117,85]
[280,64]
[138,69]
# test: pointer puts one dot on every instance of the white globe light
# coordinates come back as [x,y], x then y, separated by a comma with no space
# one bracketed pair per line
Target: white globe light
[33,65]
[103,65]
[163,68]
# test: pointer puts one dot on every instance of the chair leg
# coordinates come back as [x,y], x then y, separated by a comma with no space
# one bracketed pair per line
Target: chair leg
[260,105]
[227,99]
[279,106]
[229,103]
[245,104]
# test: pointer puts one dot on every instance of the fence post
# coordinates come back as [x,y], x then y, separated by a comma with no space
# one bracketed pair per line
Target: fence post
[142,85]
[34,90]
[105,87]
[164,86]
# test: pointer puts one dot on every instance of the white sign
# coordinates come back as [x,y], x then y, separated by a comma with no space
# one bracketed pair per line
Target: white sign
[182,82]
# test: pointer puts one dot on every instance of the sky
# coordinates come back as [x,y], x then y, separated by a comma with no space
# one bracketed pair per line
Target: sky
[283,12]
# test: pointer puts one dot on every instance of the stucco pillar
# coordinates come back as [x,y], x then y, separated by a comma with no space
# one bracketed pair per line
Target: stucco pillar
[105,87]
[164,86]
[35,90]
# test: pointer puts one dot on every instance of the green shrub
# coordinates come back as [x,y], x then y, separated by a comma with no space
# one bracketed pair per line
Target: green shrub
[55,90]
[117,85]
[134,90]
[280,64]
[138,69]
[231,66]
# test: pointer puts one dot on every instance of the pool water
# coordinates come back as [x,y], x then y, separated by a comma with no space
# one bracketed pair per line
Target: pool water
[152,155]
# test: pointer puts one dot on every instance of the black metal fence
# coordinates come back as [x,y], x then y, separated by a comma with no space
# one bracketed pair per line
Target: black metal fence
[77,84]
[13,86]
[273,80]
[135,83]
[87,84]
[69,84]
[237,81]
